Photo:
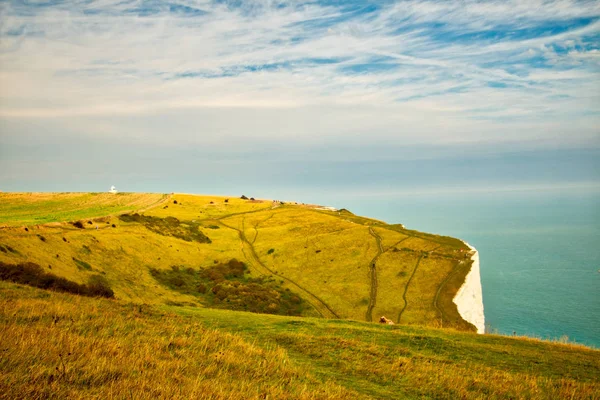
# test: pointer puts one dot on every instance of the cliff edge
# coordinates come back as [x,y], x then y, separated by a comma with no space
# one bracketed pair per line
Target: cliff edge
[469,298]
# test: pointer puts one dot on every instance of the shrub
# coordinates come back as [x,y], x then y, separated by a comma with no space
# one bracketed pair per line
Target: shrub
[271,251]
[177,281]
[89,222]
[98,287]
[33,275]
[174,201]
[169,226]
[228,285]
[43,239]
[78,224]
[244,197]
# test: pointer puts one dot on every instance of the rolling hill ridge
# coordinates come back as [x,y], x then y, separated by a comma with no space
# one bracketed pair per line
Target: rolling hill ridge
[340,265]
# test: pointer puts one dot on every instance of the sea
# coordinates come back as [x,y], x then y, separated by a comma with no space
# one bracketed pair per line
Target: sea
[539,253]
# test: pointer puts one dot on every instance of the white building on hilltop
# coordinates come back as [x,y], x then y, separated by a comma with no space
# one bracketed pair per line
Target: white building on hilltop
[112,190]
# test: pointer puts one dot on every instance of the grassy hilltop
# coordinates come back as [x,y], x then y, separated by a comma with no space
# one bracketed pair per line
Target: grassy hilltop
[337,264]
[177,265]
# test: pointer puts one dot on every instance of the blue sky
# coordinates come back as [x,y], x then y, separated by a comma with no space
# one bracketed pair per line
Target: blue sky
[213,96]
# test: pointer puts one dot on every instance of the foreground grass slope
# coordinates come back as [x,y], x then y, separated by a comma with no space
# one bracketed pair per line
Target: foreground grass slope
[65,346]
[340,264]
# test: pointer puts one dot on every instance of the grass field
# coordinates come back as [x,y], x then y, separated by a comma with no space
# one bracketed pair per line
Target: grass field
[170,262]
[342,265]
[40,208]
[64,346]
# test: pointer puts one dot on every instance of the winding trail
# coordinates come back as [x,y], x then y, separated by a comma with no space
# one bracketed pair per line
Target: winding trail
[373,275]
[240,213]
[257,225]
[437,294]
[159,202]
[406,287]
[317,303]
[373,272]
[439,290]
[397,243]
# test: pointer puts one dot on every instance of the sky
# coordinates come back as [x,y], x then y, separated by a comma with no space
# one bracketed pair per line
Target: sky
[291,98]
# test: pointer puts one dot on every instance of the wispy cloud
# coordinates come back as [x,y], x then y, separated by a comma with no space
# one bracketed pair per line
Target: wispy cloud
[406,71]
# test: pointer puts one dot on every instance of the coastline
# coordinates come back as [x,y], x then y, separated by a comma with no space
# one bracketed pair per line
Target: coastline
[469,298]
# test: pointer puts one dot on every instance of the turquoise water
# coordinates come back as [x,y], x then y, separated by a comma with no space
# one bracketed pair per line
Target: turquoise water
[540,254]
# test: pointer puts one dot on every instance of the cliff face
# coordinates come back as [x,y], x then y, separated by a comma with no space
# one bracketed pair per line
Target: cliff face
[469,298]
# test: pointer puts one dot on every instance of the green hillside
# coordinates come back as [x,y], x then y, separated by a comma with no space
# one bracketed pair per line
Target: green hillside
[145,296]
[333,264]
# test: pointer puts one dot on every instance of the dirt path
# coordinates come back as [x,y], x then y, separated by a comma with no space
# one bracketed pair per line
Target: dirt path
[157,203]
[240,213]
[437,295]
[258,224]
[373,276]
[317,303]
[452,273]
[406,288]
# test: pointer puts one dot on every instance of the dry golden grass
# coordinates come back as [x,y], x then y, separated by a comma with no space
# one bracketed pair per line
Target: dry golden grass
[325,257]
[58,346]
[63,346]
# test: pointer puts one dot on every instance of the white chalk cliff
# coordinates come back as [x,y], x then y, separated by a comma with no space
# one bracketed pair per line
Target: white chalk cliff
[469,298]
